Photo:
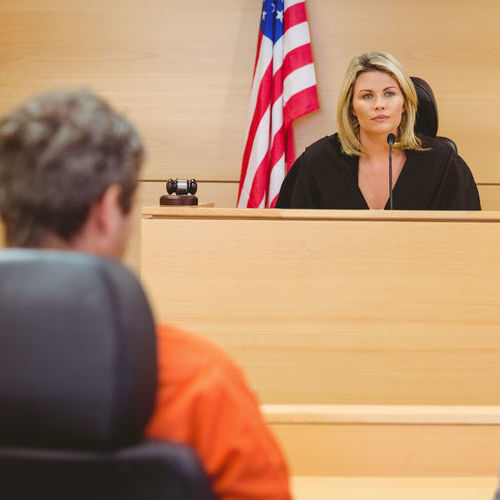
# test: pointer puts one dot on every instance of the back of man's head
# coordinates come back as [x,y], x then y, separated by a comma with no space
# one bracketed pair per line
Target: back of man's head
[59,153]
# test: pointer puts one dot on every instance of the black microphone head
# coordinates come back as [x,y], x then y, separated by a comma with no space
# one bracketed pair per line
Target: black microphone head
[391,138]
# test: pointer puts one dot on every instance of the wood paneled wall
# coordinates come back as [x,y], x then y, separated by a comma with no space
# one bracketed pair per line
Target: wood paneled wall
[182,71]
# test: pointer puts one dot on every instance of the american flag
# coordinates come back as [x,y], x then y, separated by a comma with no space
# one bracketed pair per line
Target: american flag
[283,89]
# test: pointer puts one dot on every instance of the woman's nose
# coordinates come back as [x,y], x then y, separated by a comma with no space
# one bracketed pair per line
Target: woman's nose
[379,102]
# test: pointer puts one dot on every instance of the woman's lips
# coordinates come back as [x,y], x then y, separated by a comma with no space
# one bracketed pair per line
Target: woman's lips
[380,118]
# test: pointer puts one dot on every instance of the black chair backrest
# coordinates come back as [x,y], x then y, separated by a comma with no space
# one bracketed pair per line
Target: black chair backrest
[427,120]
[77,384]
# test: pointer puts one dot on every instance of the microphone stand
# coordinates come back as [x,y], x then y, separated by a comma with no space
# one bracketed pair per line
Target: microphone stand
[390,140]
[390,176]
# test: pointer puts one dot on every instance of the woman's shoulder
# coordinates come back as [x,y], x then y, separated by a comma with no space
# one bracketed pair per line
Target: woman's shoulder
[441,147]
[326,143]
[324,156]
[327,149]
[439,156]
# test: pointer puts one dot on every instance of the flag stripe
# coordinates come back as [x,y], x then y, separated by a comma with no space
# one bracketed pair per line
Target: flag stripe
[301,104]
[291,3]
[257,55]
[301,56]
[261,182]
[278,55]
[296,36]
[261,68]
[300,79]
[295,14]
[259,185]
[258,154]
[260,107]
[277,174]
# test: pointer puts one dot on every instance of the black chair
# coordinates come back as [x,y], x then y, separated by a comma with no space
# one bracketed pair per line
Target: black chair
[78,380]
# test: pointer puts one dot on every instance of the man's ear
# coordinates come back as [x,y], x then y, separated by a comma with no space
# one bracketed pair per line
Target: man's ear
[104,213]
[106,228]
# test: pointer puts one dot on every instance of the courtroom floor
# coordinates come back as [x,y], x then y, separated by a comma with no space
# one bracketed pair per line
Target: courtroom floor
[393,488]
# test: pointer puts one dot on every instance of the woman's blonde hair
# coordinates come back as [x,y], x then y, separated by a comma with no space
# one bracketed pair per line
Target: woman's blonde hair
[347,123]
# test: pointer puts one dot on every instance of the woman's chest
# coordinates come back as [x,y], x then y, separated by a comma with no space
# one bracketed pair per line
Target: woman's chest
[373,180]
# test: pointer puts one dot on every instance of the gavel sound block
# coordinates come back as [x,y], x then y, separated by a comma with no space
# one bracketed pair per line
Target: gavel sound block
[180,192]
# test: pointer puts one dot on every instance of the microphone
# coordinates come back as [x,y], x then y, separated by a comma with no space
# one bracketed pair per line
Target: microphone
[391,138]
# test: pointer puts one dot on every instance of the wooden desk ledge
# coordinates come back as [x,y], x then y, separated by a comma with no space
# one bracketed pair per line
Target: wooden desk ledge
[200,212]
[381,414]
[387,441]
[393,488]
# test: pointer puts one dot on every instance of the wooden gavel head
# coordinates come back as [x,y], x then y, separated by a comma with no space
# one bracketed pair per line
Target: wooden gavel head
[182,186]
[179,192]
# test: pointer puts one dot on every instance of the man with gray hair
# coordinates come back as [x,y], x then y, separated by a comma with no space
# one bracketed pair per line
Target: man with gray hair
[69,168]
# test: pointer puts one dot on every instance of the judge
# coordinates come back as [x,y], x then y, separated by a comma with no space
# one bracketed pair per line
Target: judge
[350,169]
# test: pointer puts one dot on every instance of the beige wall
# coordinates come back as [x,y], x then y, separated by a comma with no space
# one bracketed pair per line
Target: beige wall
[182,72]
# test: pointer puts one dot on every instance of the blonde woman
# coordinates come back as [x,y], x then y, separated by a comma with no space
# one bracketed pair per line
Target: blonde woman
[349,170]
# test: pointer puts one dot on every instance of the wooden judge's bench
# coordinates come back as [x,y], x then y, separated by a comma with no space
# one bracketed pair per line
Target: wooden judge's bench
[371,337]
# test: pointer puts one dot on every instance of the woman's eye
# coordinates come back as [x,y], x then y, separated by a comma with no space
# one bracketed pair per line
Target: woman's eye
[389,93]
[367,96]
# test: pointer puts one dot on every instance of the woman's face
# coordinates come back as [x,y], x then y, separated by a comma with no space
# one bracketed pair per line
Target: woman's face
[377,103]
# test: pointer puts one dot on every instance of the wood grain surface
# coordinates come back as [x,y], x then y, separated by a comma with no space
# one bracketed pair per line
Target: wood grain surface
[340,311]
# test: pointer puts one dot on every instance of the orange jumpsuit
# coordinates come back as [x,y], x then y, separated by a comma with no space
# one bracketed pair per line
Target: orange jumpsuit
[204,401]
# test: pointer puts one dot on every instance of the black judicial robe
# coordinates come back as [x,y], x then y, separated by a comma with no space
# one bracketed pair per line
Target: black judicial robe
[324,177]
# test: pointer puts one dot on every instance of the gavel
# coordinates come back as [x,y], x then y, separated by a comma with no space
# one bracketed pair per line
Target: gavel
[182,186]
[180,192]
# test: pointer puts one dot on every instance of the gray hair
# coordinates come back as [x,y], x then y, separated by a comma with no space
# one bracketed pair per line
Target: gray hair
[59,152]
